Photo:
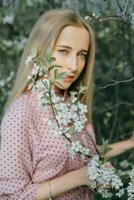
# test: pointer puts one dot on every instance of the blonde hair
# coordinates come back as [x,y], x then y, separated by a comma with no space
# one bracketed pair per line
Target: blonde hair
[44,35]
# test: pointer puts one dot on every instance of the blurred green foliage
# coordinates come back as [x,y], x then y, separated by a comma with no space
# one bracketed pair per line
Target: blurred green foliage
[113,109]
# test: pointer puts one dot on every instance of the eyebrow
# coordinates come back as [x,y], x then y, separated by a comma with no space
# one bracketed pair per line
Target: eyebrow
[68,47]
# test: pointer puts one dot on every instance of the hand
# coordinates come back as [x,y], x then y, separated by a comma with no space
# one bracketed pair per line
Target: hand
[84,176]
[85,179]
[109,164]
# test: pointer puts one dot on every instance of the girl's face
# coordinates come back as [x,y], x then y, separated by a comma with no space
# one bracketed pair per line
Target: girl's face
[71,51]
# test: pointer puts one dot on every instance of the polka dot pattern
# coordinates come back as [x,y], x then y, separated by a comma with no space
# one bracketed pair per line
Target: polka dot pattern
[30,153]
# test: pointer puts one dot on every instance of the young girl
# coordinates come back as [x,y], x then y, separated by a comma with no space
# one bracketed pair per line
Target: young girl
[34,163]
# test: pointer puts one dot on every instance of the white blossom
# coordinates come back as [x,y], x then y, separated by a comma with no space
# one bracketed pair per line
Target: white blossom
[2,83]
[120,193]
[76,147]
[104,176]
[93,14]
[8,19]
[19,44]
[7,43]
[130,188]
[29,60]
[86,17]
[35,69]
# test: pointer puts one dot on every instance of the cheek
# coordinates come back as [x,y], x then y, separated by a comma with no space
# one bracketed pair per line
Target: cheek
[79,72]
[81,68]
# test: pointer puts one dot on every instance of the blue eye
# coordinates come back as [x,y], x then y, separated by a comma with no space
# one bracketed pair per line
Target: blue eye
[82,55]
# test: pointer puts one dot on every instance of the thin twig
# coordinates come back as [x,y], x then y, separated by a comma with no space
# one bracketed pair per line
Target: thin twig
[55,117]
[117,18]
[116,82]
[93,143]
[119,5]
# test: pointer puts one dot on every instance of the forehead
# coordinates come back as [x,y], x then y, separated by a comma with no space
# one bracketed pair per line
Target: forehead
[74,36]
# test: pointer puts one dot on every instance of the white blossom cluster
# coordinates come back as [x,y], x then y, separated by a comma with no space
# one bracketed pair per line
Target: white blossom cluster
[4,82]
[76,147]
[71,113]
[37,70]
[29,59]
[46,94]
[103,177]
[18,44]
[125,168]
[8,19]
[130,188]
[66,112]
[56,130]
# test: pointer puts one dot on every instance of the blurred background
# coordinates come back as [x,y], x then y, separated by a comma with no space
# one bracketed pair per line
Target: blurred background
[113,24]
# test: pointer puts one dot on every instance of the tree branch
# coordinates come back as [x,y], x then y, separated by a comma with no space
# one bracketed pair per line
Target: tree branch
[123,17]
[116,82]
[125,7]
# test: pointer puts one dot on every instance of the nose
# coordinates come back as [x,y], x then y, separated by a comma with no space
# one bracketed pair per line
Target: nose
[72,64]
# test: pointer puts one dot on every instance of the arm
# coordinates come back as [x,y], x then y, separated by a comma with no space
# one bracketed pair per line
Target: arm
[120,147]
[63,184]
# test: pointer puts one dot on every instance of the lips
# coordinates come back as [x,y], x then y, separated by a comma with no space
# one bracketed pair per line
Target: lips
[68,78]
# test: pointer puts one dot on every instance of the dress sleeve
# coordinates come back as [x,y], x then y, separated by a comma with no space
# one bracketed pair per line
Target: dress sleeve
[16,157]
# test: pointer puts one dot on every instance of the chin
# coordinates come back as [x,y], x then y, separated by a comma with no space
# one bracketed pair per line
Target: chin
[63,87]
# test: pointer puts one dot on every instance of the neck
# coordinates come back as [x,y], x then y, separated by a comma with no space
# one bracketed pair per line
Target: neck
[61,93]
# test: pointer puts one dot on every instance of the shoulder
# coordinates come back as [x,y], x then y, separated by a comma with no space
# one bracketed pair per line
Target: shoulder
[20,104]
[21,107]
[18,118]
[26,107]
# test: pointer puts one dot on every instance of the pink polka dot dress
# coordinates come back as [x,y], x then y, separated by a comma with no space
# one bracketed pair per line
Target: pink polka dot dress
[30,153]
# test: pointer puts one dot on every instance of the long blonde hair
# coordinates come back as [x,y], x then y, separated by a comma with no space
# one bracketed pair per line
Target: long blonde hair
[44,35]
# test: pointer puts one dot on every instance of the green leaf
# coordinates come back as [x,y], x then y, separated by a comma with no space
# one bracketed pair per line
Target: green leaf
[54,66]
[34,51]
[46,84]
[70,129]
[73,93]
[48,53]
[48,56]
[83,89]
[104,148]
[55,73]
[47,102]
[52,59]
[61,75]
